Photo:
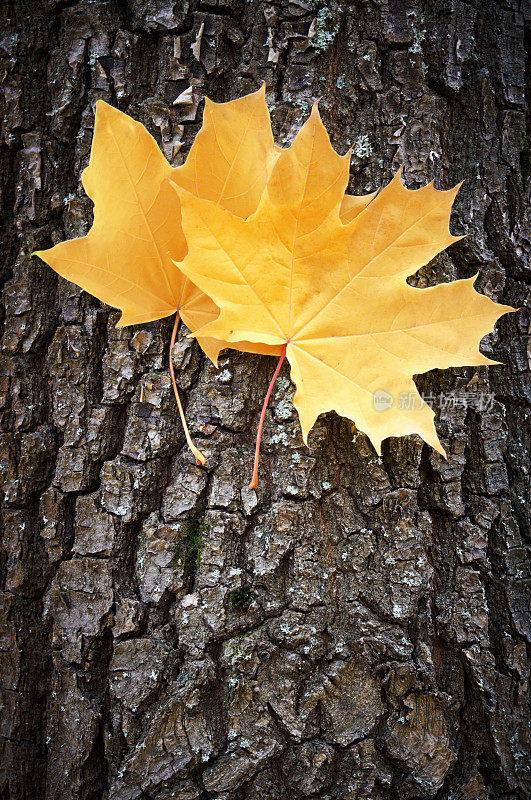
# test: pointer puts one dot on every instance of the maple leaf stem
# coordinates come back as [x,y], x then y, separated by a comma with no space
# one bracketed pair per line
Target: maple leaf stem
[199,457]
[254,481]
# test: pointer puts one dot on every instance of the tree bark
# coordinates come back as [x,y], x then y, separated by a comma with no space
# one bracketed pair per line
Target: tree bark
[357,627]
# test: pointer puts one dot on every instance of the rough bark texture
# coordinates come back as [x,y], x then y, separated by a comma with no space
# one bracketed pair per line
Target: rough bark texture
[355,629]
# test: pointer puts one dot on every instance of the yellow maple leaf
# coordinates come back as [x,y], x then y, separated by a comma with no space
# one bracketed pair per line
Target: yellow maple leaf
[333,294]
[127,258]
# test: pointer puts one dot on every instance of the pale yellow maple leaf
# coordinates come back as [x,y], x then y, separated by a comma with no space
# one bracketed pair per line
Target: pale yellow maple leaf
[127,258]
[333,295]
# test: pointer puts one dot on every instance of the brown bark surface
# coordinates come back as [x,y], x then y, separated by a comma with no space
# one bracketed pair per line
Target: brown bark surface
[357,628]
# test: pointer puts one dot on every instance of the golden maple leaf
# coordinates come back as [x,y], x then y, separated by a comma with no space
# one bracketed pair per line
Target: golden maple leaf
[126,259]
[332,294]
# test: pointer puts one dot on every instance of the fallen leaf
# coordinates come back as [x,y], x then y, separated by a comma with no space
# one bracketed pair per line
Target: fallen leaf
[126,259]
[332,294]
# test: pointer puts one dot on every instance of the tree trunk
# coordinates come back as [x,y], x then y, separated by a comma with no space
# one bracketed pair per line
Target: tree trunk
[357,627]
